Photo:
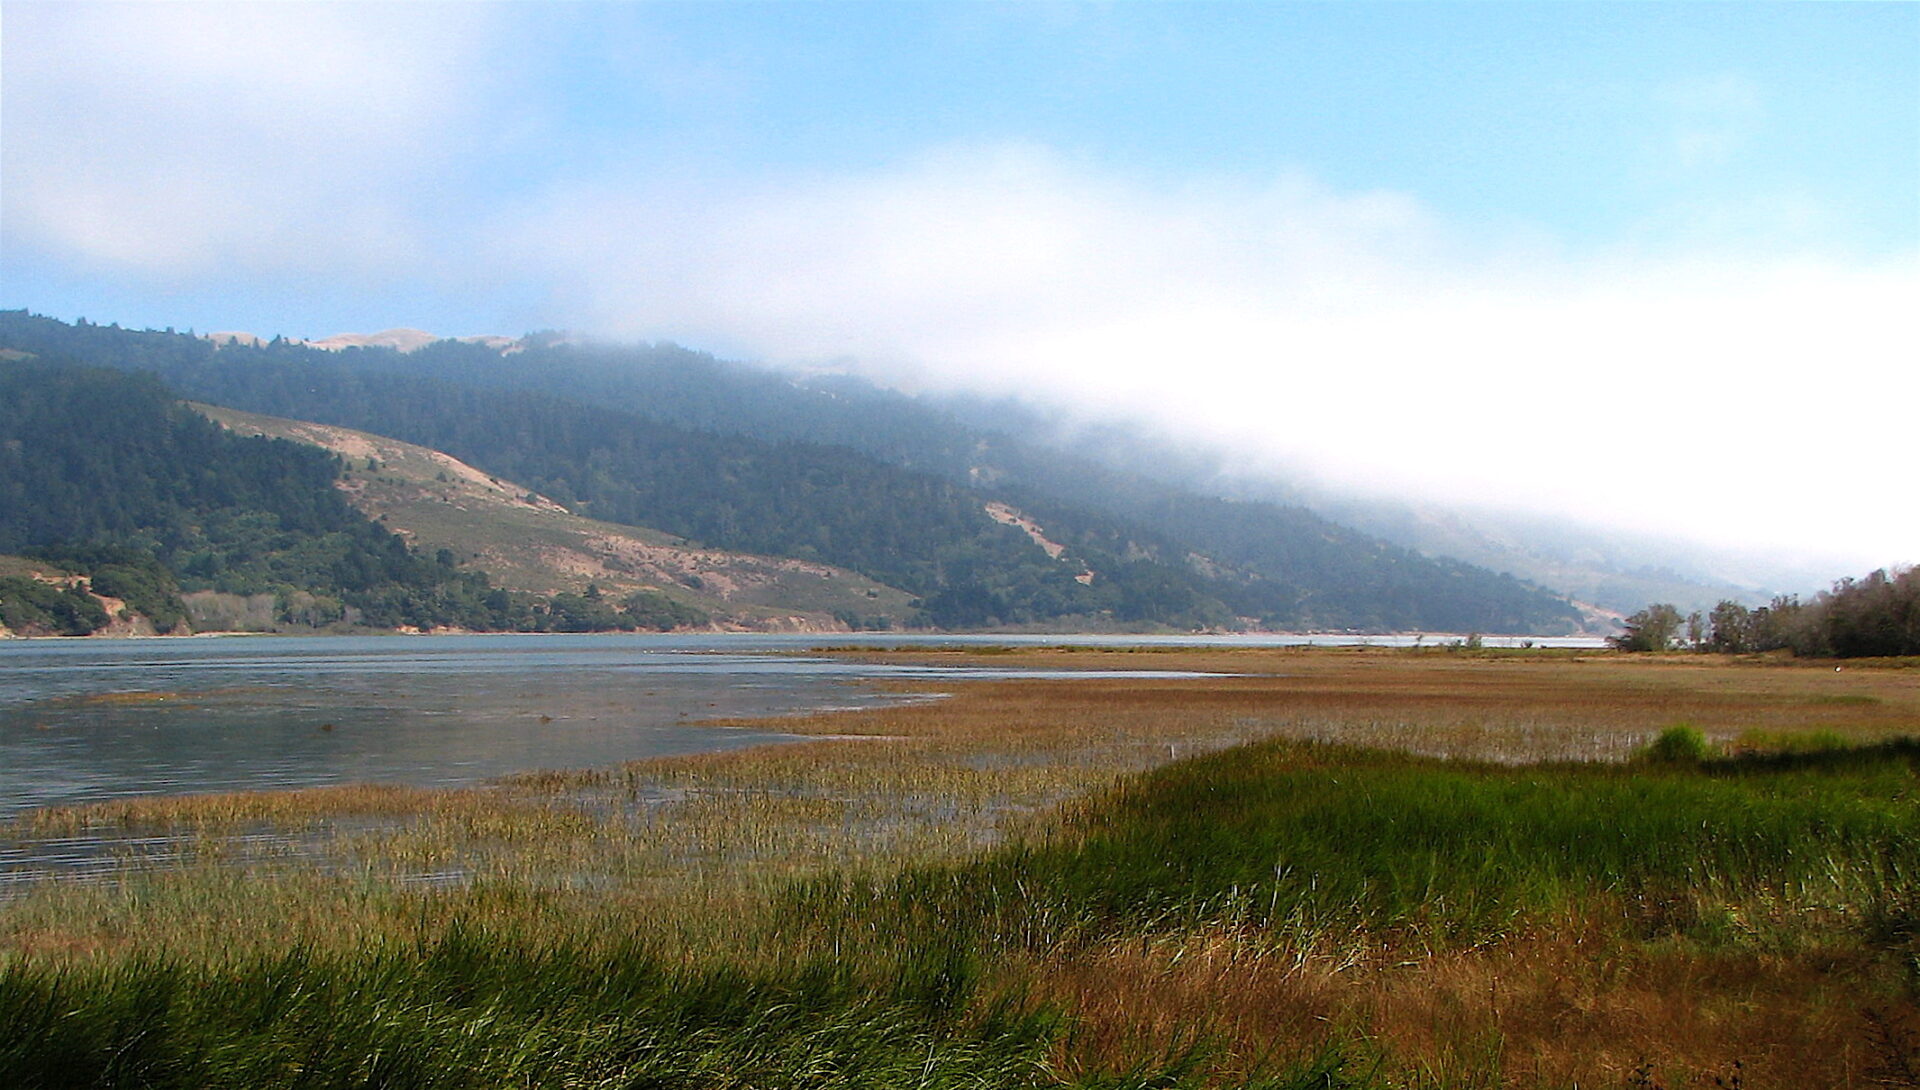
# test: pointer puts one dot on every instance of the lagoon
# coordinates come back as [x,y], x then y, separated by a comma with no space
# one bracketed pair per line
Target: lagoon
[93,720]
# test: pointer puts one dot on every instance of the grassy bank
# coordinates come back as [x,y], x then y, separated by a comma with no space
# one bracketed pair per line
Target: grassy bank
[1308,843]
[1334,869]
[1460,923]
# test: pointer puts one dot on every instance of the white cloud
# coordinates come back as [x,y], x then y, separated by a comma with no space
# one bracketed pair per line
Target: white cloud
[1735,398]
[174,138]
[1733,395]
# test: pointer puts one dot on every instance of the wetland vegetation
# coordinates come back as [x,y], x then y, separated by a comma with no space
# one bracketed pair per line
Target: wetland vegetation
[1335,868]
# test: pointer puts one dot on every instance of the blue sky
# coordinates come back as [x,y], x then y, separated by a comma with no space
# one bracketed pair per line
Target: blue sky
[1561,115]
[1334,236]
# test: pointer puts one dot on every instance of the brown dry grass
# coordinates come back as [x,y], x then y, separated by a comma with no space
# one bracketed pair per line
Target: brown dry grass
[1571,1007]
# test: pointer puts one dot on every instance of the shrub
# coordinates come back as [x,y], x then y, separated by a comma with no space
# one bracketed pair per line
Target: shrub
[1680,744]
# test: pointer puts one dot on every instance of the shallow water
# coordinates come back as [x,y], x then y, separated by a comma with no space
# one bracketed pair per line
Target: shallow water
[94,720]
[90,720]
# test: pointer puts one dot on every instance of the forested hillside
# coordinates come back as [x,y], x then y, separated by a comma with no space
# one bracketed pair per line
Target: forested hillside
[1279,563]
[526,542]
[839,472]
[104,474]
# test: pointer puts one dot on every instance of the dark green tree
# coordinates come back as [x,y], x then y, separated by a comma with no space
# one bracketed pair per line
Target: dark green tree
[1730,628]
[1654,628]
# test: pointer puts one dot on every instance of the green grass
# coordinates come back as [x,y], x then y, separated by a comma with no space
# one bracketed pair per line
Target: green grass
[1682,744]
[481,1008]
[1302,841]
[478,1009]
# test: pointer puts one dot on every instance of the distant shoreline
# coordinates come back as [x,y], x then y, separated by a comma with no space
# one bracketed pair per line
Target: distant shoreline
[1264,638]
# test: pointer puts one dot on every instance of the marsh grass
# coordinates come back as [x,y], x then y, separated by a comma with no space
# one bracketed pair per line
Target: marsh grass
[485,1007]
[1297,842]
[1471,914]
[1416,870]
[1680,744]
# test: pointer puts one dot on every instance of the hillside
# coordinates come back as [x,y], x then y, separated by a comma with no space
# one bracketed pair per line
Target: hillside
[136,509]
[106,477]
[38,598]
[526,542]
[822,504]
[838,473]
[1121,471]
[1609,571]
[1271,560]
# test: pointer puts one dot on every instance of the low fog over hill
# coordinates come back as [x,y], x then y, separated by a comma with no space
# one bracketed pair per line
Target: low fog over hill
[1614,570]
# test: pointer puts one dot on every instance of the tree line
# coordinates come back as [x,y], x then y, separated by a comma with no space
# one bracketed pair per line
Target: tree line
[1878,615]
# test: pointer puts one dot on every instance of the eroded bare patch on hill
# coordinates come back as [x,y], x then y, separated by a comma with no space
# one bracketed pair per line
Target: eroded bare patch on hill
[528,542]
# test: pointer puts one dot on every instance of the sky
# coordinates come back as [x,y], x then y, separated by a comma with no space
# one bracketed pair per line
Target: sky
[1655,266]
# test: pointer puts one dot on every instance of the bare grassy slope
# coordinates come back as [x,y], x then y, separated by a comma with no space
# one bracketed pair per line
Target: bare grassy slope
[527,542]
[122,622]
[27,568]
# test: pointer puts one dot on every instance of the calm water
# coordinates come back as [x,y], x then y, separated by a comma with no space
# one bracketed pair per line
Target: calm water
[91,720]
[86,720]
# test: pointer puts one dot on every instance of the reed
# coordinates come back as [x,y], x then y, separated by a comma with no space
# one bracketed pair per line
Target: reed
[1250,895]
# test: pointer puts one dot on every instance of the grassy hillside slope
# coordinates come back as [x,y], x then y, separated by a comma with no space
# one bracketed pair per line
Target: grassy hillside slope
[529,543]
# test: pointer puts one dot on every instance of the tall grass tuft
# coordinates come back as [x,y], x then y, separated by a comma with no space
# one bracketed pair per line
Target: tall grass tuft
[1680,744]
[479,1009]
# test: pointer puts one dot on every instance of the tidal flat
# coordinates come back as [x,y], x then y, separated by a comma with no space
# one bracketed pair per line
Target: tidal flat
[1330,867]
